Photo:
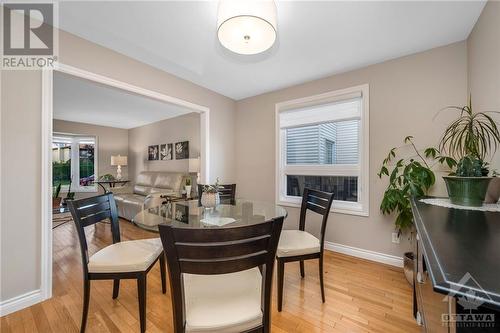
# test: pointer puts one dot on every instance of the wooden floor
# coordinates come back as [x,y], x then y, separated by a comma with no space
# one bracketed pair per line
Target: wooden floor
[361,296]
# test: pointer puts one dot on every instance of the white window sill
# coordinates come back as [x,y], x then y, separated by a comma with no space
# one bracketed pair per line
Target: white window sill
[340,207]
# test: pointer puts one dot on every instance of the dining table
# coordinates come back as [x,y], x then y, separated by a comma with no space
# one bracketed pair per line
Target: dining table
[191,214]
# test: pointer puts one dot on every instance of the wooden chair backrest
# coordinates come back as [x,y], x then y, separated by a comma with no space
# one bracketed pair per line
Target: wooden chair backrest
[90,211]
[220,251]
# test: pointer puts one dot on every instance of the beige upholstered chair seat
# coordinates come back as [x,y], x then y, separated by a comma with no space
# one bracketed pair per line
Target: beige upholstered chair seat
[129,256]
[296,243]
[223,303]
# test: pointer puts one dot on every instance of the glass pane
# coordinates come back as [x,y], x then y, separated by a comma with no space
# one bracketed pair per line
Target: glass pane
[86,155]
[344,188]
[61,163]
[328,143]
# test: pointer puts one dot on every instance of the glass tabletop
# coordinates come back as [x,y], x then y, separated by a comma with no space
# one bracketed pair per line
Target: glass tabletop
[188,214]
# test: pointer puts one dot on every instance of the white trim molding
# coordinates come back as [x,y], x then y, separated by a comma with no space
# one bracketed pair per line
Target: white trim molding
[60,67]
[46,183]
[365,254]
[20,302]
[45,290]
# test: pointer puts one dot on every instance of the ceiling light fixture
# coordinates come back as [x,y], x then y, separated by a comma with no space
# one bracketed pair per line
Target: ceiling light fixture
[247,26]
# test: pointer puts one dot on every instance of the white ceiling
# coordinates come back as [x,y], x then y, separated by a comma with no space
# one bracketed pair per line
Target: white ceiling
[315,39]
[88,102]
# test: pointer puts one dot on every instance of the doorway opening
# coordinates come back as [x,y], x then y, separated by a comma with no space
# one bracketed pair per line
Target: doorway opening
[93,126]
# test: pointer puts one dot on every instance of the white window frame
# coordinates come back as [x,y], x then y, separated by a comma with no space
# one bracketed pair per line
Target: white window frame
[75,167]
[361,170]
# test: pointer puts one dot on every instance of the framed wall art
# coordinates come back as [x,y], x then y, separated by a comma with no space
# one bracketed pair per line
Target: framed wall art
[182,150]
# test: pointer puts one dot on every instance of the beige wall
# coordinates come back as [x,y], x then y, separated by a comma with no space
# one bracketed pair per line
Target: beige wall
[110,141]
[21,133]
[405,94]
[20,183]
[182,128]
[483,48]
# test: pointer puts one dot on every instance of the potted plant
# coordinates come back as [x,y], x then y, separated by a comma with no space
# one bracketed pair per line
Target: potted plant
[210,195]
[468,140]
[409,177]
[107,177]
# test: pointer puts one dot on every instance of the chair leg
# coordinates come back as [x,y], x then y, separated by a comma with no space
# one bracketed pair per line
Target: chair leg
[281,277]
[86,302]
[302,273]
[116,288]
[163,272]
[141,290]
[321,279]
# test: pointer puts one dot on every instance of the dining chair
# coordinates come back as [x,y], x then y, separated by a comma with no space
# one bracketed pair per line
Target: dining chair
[226,192]
[221,279]
[120,260]
[299,245]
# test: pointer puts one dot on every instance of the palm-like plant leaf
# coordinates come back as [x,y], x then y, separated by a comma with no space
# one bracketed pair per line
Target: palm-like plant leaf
[474,134]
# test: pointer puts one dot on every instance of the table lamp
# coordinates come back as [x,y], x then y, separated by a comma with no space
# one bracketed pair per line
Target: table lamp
[119,161]
[194,167]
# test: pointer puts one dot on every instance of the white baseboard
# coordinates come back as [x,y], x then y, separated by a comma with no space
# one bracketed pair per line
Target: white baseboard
[20,302]
[365,254]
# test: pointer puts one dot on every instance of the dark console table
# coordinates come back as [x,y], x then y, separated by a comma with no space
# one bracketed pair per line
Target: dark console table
[457,273]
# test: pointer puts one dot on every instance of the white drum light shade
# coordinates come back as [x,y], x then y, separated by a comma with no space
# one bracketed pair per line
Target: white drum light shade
[246,26]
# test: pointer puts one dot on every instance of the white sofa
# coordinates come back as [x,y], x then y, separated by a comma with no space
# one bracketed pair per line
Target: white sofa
[146,191]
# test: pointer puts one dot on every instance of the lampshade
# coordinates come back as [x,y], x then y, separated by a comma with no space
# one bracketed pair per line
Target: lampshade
[194,165]
[247,26]
[118,160]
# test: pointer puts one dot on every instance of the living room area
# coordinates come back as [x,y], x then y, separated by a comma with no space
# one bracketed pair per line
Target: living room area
[108,139]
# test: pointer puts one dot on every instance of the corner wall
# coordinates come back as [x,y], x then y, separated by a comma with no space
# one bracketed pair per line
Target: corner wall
[405,94]
[483,49]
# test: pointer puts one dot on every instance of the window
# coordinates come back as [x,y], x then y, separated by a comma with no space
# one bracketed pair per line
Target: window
[322,143]
[74,162]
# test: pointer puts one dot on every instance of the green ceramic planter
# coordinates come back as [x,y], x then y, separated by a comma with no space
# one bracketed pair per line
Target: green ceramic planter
[467,191]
